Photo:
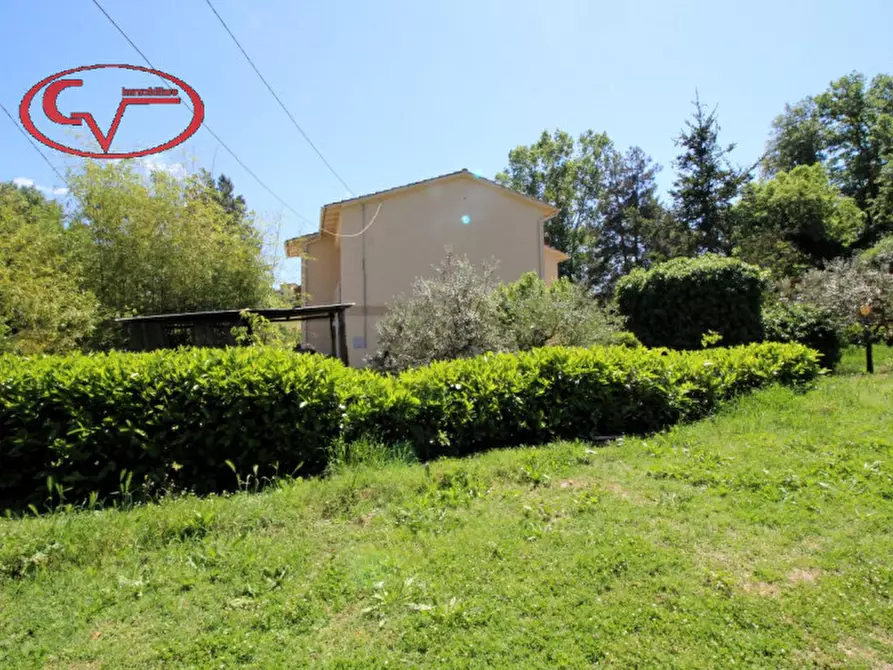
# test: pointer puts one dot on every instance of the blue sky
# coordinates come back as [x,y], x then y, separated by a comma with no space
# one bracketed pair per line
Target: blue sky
[393,92]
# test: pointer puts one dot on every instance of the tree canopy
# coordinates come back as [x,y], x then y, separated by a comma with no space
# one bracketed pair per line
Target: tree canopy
[848,128]
[610,219]
[795,221]
[130,244]
[42,307]
[568,174]
[162,245]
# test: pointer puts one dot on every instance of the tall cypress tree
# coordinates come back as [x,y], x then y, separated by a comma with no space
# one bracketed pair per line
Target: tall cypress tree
[706,183]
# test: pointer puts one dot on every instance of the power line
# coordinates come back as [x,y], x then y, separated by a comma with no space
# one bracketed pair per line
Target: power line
[281,104]
[205,125]
[123,34]
[31,142]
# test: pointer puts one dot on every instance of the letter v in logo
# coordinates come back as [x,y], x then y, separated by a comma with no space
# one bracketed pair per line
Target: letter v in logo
[51,109]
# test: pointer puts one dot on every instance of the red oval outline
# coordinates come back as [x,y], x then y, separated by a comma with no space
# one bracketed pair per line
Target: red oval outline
[198,114]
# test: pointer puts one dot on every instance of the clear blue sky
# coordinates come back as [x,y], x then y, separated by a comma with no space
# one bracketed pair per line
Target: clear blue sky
[393,92]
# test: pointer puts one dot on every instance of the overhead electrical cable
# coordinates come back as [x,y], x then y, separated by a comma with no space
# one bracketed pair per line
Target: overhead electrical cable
[278,99]
[204,124]
[31,142]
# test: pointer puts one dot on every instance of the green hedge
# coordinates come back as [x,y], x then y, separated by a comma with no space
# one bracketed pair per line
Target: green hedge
[171,417]
[806,324]
[176,418]
[674,303]
[500,400]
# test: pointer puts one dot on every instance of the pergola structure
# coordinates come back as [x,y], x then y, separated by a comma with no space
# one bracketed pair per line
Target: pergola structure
[214,329]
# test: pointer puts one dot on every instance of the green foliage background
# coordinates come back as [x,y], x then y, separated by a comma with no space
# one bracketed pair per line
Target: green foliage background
[130,244]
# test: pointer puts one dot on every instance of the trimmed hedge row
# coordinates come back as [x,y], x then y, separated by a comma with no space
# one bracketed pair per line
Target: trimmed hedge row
[177,417]
[500,400]
[174,416]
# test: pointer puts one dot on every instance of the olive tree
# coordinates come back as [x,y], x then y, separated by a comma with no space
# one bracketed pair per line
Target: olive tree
[857,295]
[461,311]
[449,315]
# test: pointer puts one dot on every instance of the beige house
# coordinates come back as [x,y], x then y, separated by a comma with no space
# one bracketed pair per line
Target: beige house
[370,249]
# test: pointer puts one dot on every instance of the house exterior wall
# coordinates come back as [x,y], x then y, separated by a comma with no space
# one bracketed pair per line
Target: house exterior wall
[320,274]
[412,233]
[552,259]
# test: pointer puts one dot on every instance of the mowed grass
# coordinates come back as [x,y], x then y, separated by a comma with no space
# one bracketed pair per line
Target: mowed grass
[760,537]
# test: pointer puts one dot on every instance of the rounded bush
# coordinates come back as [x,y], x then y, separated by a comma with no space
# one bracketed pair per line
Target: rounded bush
[626,339]
[675,303]
[807,324]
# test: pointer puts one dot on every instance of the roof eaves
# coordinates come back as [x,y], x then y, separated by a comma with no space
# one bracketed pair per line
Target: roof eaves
[291,244]
[558,252]
[550,210]
[375,194]
[546,208]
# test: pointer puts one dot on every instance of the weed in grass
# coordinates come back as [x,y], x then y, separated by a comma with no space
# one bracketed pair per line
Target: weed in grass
[429,509]
[344,454]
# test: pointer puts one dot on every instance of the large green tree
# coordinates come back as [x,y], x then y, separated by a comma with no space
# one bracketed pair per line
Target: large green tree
[568,174]
[632,216]
[706,183]
[42,306]
[795,221]
[159,244]
[849,129]
[223,191]
[609,219]
[798,138]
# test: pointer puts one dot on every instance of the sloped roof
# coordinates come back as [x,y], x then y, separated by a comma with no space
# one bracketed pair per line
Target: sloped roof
[546,207]
[330,214]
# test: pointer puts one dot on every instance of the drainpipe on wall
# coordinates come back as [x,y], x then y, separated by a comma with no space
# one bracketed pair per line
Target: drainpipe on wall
[365,307]
[541,251]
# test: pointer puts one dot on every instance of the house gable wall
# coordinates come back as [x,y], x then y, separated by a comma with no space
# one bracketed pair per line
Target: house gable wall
[412,233]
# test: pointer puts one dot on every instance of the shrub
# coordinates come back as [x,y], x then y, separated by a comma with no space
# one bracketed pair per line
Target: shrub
[880,256]
[675,303]
[498,400]
[624,338]
[168,418]
[808,324]
[462,313]
[259,331]
[451,315]
[533,314]
[188,418]
[857,295]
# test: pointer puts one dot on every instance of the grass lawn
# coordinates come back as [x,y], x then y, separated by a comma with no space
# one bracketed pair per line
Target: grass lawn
[758,538]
